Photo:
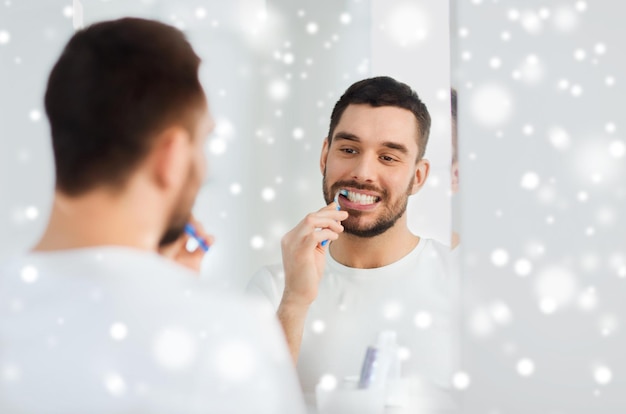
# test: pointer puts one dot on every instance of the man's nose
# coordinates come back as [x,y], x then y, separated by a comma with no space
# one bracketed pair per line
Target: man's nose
[364,169]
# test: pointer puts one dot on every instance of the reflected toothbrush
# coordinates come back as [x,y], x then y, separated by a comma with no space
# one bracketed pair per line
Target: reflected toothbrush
[343,193]
[191,231]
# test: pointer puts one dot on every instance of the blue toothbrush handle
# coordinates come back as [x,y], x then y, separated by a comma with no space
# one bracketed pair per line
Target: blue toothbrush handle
[192,232]
[325,242]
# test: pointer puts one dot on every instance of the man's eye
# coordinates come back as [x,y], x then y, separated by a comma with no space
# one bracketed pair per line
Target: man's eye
[348,150]
[387,158]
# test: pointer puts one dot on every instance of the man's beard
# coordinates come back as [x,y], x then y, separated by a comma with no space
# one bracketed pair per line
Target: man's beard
[384,222]
[180,216]
[173,232]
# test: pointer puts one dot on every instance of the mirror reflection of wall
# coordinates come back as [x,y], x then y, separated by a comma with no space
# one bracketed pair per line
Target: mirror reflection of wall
[272,70]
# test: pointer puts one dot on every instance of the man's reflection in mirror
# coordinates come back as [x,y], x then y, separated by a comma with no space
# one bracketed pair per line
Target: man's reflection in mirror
[353,275]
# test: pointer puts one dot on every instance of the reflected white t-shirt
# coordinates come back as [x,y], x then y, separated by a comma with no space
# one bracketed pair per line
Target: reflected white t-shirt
[118,330]
[417,297]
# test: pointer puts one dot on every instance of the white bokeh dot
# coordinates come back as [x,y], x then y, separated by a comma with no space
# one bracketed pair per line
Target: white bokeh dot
[407,23]
[528,129]
[200,13]
[513,14]
[423,320]
[5,37]
[610,127]
[461,380]
[499,257]
[547,305]
[531,70]
[392,310]
[174,348]
[602,375]
[563,84]
[318,326]
[35,115]
[288,58]
[235,188]
[490,105]
[345,18]
[617,148]
[404,353]
[559,138]
[118,331]
[236,361]
[268,194]
[29,274]
[500,312]
[312,28]
[531,22]
[327,382]
[31,212]
[68,11]
[217,146]
[580,54]
[115,384]
[600,48]
[525,367]
[495,62]
[565,19]
[588,299]
[576,90]
[523,267]
[278,90]
[557,284]
[298,133]
[257,242]
[530,180]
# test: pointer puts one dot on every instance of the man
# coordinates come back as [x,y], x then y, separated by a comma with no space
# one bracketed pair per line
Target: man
[93,319]
[375,275]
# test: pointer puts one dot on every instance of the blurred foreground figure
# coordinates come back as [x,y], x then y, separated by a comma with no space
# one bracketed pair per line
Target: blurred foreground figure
[94,319]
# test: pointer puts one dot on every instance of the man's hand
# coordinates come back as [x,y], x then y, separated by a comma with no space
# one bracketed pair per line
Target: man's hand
[303,262]
[177,251]
[303,255]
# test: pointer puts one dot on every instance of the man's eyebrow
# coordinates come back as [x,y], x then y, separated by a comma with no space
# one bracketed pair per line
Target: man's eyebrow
[347,136]
[395,146]
[389,144]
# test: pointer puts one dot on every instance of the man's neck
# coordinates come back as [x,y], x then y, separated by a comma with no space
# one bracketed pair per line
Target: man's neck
[373,252]
[100,218]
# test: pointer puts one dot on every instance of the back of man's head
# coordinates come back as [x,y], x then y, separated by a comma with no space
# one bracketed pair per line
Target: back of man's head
[115,86]
[384,91]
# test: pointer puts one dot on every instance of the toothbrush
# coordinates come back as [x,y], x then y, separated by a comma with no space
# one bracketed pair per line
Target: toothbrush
[192,233]
[343,193]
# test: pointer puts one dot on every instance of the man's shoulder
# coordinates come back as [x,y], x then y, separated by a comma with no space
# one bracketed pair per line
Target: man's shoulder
[267,284]
[434,247]
[273,273]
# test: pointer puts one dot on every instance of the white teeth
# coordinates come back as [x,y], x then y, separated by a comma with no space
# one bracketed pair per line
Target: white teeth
[362,199]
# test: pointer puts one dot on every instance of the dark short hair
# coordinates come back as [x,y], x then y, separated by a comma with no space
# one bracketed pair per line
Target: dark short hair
[384,91]
[115,85]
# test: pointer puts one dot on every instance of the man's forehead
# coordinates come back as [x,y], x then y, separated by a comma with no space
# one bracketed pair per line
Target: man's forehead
[380,122]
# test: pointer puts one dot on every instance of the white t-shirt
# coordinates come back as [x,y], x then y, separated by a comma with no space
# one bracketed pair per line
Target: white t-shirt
[416,297]
[118,330]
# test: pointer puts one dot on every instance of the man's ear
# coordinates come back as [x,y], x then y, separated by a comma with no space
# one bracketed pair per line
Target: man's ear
[170,157]
[324,156]
[421,174]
